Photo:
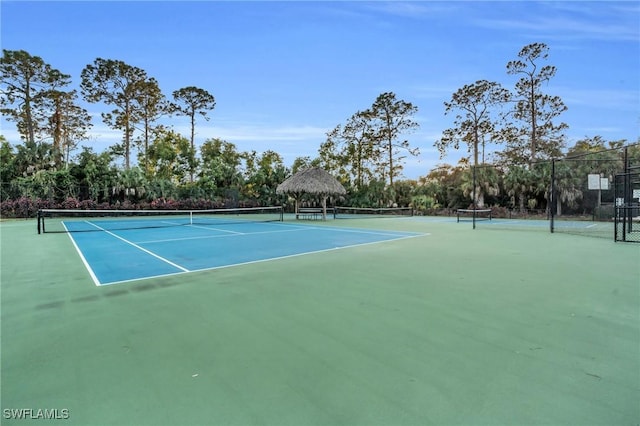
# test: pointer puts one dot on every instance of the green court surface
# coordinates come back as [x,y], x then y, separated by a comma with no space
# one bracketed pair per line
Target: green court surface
[459,327]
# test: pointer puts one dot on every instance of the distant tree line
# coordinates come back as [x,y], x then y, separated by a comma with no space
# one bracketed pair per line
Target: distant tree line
[367,153]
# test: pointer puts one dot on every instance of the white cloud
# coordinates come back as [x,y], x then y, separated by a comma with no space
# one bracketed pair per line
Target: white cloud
[289,141]
[257,133]
[565,28]
[414,9]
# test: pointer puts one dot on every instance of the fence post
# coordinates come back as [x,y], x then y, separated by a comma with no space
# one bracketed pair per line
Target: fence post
[628,195]
[552,196]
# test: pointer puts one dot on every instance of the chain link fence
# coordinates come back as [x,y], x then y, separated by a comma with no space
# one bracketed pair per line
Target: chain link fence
[627,205]
[594,193]
[585,192]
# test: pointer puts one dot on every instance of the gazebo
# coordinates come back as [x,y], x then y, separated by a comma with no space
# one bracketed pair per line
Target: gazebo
[314,181]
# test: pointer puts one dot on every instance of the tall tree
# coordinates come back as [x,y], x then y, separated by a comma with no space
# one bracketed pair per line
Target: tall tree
[120,85]
[330,156]
[65,122]
[190,101]
[25,81]
[476,118]
[538,137]
[352,149]
[391,118]
[153,105]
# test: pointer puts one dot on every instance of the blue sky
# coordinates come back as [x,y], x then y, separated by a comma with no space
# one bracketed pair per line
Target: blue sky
[285,73]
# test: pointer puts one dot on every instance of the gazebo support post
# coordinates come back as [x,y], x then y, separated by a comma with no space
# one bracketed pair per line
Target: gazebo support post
[324,207]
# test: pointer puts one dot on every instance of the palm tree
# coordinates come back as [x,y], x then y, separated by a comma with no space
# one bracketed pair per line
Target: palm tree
[518,182]
[541,183]
[161,188]
[33,156]
[568,186]
[487,183]
[132,182]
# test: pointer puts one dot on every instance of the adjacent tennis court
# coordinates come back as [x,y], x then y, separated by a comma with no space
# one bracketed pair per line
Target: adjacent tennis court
[412,321]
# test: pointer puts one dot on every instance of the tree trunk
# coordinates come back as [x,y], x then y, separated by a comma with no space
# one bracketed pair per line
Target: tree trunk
[479,201]
[193,134]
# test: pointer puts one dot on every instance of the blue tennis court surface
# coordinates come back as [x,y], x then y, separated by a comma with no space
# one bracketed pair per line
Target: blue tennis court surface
[116,256]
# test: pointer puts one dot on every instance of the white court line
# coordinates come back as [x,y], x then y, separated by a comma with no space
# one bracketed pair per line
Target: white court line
[175,265]
[270,259]
[95,279]
[206,237]
[370,231]
[174,223]
[209,228]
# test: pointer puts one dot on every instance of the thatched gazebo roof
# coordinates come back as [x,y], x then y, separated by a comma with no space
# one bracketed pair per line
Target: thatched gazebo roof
[315,181]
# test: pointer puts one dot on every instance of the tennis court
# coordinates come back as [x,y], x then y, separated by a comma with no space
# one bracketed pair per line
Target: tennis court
[116,251]
[588,228]
[412,321]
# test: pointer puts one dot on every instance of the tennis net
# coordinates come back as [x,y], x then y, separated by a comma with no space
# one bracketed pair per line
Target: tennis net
[364,212]
[68,220]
